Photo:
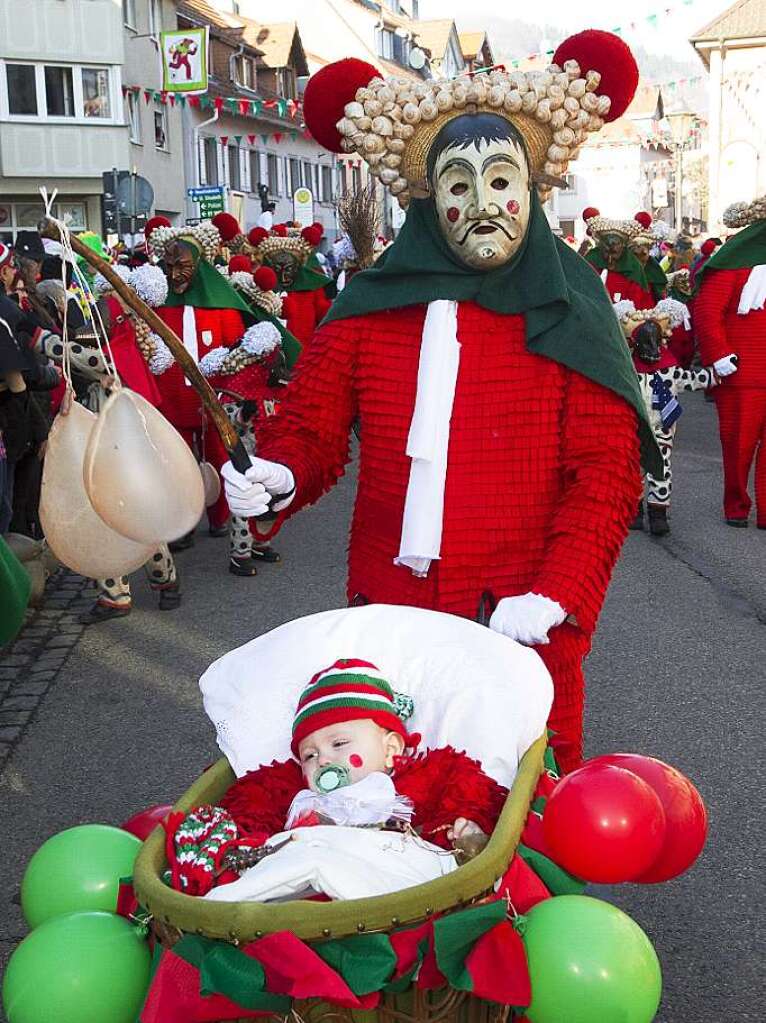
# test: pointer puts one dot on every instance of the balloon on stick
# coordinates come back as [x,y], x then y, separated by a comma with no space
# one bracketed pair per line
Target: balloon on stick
[81,968]
[589,963]
[685,814]
[604,824]
[77,870]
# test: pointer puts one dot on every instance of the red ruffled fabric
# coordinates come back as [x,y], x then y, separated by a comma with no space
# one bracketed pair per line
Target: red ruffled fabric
[260,800]
[542,481]
[303,311]
[721,330]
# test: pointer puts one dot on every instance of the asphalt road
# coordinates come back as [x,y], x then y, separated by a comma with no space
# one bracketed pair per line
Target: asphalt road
[677,671]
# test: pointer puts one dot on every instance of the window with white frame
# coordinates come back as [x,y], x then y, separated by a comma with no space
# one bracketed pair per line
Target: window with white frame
[255,169]
[58,92]
[19,216]
[274,176]
[327,184]
[129,13]
[235,181]
[160,127]
[246,73]
[384,40]
[133,109]
[155,17]
[208,161]
[286,82]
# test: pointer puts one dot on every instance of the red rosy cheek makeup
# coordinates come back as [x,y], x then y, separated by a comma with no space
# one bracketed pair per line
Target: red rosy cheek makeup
[512,206]
[355,760]
[452,214]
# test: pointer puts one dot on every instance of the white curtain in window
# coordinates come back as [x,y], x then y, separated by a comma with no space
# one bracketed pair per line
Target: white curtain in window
[201,161]
[244,170]
[221,162]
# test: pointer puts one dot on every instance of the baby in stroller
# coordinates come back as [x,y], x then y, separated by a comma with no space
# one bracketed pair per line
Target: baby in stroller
[360,812]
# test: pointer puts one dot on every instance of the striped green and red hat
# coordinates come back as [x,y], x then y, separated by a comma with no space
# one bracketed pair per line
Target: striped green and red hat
[349,690]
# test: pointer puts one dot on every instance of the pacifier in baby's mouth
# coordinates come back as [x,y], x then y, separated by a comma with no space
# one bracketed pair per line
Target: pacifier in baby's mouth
[332,777]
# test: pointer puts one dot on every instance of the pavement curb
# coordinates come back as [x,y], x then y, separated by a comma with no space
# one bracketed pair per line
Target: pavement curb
[30,665]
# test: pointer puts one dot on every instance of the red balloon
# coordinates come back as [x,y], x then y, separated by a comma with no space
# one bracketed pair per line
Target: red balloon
[604,824]
[685,814]
[143,823]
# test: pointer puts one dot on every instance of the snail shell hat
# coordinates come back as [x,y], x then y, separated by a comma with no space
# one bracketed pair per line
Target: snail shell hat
[393,122]
[742,214]
[598,225]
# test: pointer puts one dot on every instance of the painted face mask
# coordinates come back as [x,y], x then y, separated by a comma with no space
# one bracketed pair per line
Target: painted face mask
[612,246]
[285,266]
[482,200]
[642,251]
[180,267]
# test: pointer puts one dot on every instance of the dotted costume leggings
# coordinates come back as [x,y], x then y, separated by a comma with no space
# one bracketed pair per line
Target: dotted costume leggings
[658,488]
[160,571]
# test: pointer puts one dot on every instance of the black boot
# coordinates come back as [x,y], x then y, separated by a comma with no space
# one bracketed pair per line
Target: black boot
[265,553]
[170,597]
[738,523]
[183,543]
[658,519]
[217,531]
[103,612]
[638,521]
[245,567]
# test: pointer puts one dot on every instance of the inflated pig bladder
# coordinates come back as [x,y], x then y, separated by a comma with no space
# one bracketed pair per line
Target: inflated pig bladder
[78,537]
[212,483]
[140,475]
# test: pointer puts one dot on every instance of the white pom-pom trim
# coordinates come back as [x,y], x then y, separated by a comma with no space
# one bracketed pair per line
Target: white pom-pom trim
[150,284]
[676,311]
[102,285]
[162,358]
[261,339]
[624,308]
[213,362]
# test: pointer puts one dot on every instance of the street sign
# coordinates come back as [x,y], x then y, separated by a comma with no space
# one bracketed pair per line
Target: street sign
[303,207]
[135,196]
[210,199]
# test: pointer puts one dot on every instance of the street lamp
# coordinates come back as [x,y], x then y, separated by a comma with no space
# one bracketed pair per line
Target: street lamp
[681,124]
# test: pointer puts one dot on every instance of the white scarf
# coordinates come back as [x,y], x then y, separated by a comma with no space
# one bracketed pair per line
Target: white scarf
[428,440]
[190,337]
[754,292]
[373,800]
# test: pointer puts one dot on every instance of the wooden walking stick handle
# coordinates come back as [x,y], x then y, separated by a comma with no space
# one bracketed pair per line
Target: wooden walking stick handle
[240,459]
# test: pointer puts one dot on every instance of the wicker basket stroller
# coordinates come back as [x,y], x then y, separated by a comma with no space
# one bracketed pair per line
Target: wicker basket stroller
[239,923]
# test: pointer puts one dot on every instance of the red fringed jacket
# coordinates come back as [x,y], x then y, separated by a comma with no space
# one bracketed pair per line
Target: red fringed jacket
[442,785]
[303,311]
[722,331]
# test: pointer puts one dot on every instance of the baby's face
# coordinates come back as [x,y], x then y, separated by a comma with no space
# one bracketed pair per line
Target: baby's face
[360,746]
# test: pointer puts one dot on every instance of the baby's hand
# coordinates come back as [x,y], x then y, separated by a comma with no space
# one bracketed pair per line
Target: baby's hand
[463,828]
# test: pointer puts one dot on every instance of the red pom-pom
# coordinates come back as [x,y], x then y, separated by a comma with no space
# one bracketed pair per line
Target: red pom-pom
[644,219]
[237,263]
[155,222]
[227,225]
[311,235]
[589,212]
[265,278]
[326,95]
[320,227]
[280,230]
[606,53]
[708,247]
[256,235]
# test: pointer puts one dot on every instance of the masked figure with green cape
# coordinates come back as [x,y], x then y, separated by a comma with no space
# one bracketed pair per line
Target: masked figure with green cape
[501,422]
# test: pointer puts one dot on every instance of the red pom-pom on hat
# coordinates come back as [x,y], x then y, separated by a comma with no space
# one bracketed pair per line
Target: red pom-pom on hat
[280,230]
[256,235]
[237,263]
[311,235]
[228,226]
[708,247]
[328,92]
[589,213]
[644,219]
[320,227]
[606,53]
[155,222]
[265,278]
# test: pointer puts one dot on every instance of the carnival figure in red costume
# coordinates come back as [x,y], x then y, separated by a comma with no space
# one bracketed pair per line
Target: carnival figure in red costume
[612,258]
[206,313]
[730,323]
[291,254]
[643,245]
[497,401]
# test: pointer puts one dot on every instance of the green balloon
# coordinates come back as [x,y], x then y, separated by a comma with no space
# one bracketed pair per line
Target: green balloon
[81,968]
[77,870]
[589,963]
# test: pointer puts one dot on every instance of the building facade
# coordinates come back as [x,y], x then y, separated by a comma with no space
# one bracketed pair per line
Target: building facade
[155,125]
[733,48]
[61,109]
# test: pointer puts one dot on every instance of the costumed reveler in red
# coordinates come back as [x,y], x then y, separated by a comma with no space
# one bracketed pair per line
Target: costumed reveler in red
[619,268]
[495,392]
[730,323]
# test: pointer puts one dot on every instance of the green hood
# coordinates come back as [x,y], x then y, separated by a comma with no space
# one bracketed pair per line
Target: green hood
[311,276]
[569,317]
[747,248]
[209,290]
[656,279]
[628,266]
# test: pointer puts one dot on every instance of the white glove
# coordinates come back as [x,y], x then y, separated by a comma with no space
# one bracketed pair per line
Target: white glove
[249,494]
[726,366]
[527,618]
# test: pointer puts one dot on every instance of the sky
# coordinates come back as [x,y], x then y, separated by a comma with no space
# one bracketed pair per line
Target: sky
[669,35]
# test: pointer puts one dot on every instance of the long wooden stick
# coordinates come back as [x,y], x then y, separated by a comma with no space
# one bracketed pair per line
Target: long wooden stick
[239,457]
